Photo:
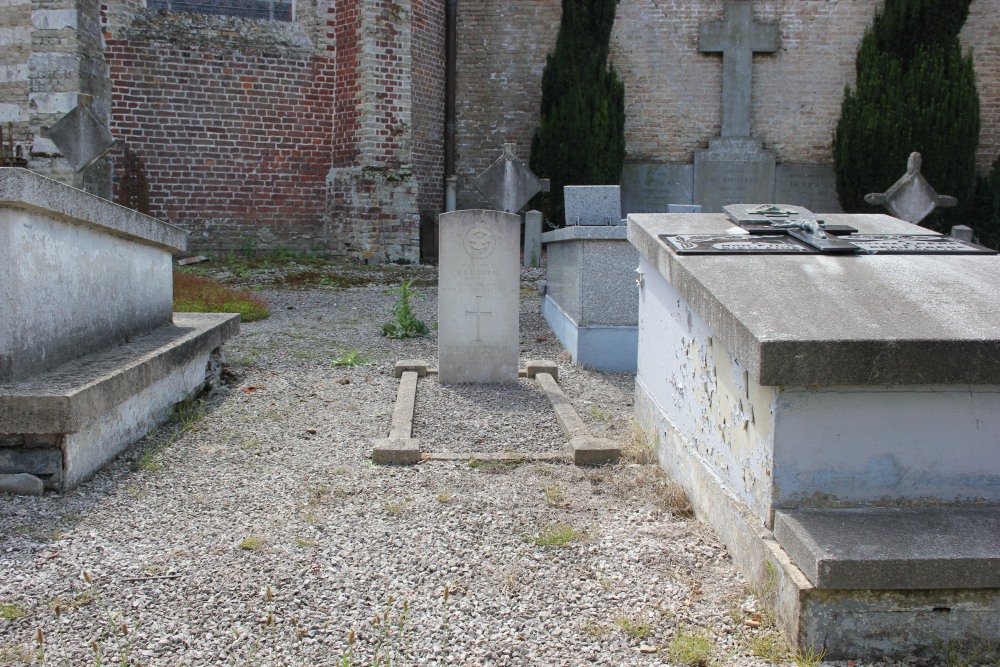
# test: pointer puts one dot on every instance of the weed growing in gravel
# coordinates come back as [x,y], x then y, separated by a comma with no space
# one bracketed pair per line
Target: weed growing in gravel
[395,508]
[557,535]
[444,497]
[961,654]
[638,447]
[10,611]
[634,627]
[555,496]
[595,629]
[769,645]
[693,648]
[350,359]
[188,413]
[406,323]
[597,413]
[14,654]
[807,656]
[253,543]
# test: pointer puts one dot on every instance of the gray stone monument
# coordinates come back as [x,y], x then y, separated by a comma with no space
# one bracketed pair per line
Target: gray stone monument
[593,204]
[911,198]
[735,167]
[478,295]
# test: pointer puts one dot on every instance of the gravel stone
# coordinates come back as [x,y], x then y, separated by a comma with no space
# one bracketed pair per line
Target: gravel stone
[255,531]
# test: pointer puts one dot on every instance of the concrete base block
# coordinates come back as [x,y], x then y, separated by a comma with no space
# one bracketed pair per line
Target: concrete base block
[605,348]
[92,408]
[396,451]
[534,366]
[418,366]
[590,451]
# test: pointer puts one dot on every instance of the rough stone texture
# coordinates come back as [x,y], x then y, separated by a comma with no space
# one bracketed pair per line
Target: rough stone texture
[21,484]
[532,253]
[731,170]
[894,548]
[593,204]
[652,188]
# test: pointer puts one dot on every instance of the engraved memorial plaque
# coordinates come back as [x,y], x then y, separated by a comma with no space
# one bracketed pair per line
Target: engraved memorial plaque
[478,297]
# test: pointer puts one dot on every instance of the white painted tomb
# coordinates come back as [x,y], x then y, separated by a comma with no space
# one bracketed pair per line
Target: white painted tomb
[91,355]
[811,406]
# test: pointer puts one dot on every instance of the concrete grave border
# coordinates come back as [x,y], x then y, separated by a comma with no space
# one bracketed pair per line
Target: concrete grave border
[401,448]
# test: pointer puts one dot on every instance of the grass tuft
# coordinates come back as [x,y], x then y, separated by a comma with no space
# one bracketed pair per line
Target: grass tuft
[10,612]
[691,648]
[350,359]
[634,627]
[557,535]
[253,543]
[194,294]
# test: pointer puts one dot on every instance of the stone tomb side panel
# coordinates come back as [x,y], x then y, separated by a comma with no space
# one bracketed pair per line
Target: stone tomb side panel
[478,294]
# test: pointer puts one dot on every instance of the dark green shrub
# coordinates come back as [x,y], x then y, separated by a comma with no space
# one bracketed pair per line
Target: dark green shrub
[985,222]
[915,91]
[580,139]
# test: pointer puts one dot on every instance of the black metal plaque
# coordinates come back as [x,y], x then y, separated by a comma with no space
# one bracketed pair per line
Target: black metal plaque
[735,244]
[915,244]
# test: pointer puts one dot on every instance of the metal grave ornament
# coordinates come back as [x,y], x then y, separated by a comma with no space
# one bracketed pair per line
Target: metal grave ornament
[508,184]
[792,230]
[911,198]
[770,218]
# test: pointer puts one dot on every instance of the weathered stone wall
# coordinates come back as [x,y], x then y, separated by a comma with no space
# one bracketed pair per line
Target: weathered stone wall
[673,92]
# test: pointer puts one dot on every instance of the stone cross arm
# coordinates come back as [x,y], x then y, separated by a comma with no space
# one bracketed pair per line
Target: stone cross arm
[737,38]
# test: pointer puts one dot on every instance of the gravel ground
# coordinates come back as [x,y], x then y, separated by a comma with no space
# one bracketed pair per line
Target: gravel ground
[253,530]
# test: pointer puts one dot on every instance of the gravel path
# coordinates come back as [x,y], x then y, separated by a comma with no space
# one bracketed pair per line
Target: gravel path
[254,530]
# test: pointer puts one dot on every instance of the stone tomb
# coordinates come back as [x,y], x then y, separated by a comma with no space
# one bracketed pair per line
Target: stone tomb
[91,356]
[591,300]
[478,296]
[836,419]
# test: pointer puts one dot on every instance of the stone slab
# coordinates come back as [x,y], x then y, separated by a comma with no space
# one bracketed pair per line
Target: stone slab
[21,188]
[418,366]
[733,170]
[76,393]
[402,413]
[811,186]
[478,297]
[80,136]
[651,187]
[611,349]
[590,451]
[21,484]
[870,320]
[593,205]
[894,548]
[533,367]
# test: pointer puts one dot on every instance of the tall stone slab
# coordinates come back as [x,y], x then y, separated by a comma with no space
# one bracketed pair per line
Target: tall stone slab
[478,296]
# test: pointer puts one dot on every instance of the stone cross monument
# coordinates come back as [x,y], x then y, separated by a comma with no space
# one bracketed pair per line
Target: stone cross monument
[737,38]
[734,168]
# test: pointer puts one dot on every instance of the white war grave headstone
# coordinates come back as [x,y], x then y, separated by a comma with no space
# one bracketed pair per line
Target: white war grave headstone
[479,279]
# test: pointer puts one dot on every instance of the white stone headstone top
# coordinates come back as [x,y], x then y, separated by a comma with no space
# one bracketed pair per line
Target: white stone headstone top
[478,297]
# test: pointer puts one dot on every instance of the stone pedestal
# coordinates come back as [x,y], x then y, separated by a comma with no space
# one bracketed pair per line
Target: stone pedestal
[733,170]
[591,300]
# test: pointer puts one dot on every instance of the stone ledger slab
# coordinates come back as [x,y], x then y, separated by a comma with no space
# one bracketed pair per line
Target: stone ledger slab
[894,548]
[478,296]
[649,188]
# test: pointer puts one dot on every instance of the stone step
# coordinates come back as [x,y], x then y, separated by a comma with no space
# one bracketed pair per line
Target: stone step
[894,548]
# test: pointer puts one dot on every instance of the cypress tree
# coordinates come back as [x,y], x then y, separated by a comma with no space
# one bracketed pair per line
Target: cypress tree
[986,220]
[915,91]
[580,138]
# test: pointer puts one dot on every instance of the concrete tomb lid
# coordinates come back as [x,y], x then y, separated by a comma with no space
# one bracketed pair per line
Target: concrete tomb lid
[831,320]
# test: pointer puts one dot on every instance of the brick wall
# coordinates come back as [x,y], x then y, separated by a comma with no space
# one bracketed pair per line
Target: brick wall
[428,102]
[672,91]
[236,145]
[501,54]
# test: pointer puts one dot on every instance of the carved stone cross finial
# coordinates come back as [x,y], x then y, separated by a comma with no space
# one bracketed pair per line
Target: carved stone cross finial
[737,38]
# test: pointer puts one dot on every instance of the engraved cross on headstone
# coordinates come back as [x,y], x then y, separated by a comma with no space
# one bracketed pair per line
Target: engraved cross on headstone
[479,312]
[737,38]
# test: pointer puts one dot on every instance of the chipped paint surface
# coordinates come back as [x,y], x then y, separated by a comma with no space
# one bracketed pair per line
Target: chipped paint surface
[716,408]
